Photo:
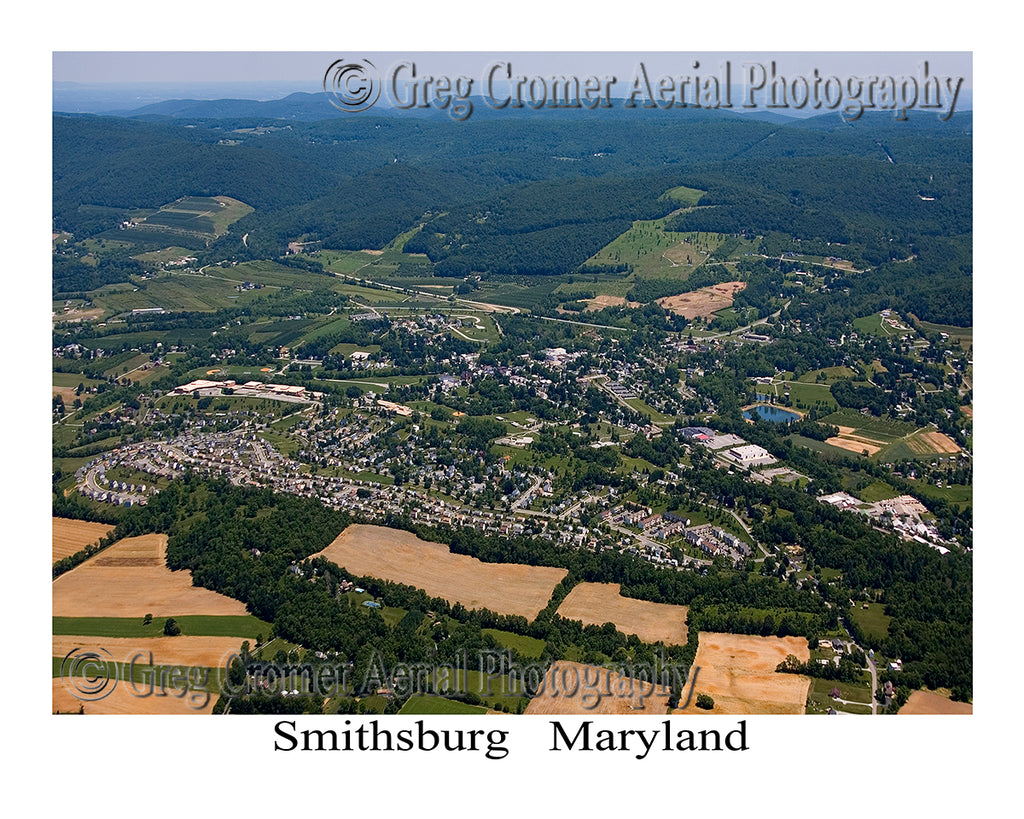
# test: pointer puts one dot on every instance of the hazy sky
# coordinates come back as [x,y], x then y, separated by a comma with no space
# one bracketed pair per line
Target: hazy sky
[307,68]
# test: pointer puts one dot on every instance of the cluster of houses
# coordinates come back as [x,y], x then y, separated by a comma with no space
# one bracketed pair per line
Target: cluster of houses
[713,541]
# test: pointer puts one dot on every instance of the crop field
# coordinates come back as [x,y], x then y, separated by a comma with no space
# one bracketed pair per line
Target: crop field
[342,261]
[195,204]
[181,220]
[201,216]
[504,290]
[930,442]
[70,536]
[738,672]
[654,252]
[964,336]
[854,443]
[595,604]
[201,652]
[100,606]
[865,432]
[399,556]
[131,579]
[574,688]
[122,700]
[928,702]
[177,291]
[245,627]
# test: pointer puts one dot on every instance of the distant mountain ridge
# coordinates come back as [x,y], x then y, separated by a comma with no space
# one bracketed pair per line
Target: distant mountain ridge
[310,107]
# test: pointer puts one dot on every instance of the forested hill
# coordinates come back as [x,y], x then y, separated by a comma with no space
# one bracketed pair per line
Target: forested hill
[537,195]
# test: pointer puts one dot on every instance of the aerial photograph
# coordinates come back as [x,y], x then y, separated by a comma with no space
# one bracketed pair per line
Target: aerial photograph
[512,383]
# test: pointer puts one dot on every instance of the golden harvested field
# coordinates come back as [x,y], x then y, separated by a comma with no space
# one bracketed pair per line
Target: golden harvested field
[70,536]
[926,443]
[122,700]
[574,688]
[703,302]
[595,604]
[852,444]
[130,579]
[927,702]
[738,672]
[183,650]
[399,556]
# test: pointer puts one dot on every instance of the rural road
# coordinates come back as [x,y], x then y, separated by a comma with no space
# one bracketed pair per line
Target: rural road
[741,330]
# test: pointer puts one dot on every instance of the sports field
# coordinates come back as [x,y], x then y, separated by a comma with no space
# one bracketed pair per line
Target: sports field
[399,556]
[574,688]
[738,672]
[70,536]
[595,604]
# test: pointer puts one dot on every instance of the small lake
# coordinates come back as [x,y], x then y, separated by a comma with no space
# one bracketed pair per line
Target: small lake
[775,414]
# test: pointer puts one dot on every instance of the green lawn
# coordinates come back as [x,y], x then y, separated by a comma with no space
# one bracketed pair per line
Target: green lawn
[877,491]
[426,704]
[522,645]
[827,451]
[827,375]
[956,495]
[492,689]
[873,620]
[196,625]
[873,325]
[684,195]
[806,396]
[854,692]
